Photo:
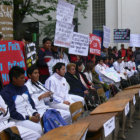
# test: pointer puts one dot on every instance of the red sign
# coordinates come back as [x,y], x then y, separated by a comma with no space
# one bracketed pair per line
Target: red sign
[95,44]
[10,55]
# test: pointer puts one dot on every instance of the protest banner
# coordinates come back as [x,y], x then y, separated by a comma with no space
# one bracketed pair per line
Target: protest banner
[121,35]
[79,45]
[106,39]
[63,34]
[10,55]
[95,45]
[111,74]
[6,22]
[31,55]
[134,40]
[65,12]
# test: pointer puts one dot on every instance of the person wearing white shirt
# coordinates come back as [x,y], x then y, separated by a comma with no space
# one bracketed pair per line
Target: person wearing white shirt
[40,95]
[118,66]
[100,69]
[25,133]
[126,67]
[58,85]
[132,65]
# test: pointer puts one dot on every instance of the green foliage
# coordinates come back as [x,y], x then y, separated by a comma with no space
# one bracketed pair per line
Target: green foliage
[41,8]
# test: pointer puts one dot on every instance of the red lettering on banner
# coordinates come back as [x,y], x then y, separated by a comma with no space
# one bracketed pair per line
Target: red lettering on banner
[95,44]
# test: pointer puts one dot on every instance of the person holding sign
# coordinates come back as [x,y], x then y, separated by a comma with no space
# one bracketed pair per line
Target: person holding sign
[44,56]
[21,106]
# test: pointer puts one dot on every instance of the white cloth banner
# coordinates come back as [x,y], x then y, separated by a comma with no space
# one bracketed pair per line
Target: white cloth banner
[134,40]
[63,34]
[111,74]
[65,12]
[106,39]
[79,45]
[109,126]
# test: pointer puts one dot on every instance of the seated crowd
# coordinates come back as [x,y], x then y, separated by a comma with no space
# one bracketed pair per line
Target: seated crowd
[56,82]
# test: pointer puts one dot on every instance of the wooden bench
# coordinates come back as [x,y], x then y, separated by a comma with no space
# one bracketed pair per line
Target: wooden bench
[96,122]
[69,132]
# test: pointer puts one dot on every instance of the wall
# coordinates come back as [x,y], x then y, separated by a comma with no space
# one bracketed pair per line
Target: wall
[85,26]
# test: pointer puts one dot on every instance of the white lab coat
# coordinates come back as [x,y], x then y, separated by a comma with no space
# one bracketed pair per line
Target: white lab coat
[129,72]
[25,133]
[41,105]
[60,88]
[120,69]
[132,66]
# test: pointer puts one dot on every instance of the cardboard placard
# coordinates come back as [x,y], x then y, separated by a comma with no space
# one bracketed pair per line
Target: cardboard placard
[65,12]
[79,45]
[63,34]
[6,22]
[95,45]
[31,55]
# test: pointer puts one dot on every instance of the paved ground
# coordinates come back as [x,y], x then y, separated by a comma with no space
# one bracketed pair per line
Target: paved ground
[134,134]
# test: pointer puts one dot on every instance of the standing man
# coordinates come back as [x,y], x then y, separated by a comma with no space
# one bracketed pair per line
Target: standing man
[44,56]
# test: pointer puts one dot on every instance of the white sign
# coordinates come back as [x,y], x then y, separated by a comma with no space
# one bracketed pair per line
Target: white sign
[111,74]
[139,93]
[106,39]
[134,100]
[63,34]
[134,40]
[79,45]
[109,126]
[65,12]
[127,109]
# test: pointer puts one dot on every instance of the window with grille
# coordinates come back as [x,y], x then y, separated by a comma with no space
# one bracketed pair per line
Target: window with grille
[98,14]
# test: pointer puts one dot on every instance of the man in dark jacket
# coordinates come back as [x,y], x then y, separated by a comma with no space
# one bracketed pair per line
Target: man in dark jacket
[44,56]
[21,106]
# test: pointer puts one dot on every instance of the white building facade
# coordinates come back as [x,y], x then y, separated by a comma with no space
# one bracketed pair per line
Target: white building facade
[119,14]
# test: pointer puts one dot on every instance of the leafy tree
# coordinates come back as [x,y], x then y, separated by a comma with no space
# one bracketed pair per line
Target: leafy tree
[22,8]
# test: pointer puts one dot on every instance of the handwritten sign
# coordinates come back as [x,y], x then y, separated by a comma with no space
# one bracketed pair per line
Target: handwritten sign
[79,45]
[31,56]
[95,45]
[109,126]
[121,35]
[134,40]
[65,12]
[63,34]
[6,21]
[107,35]
[111,74]
[134,100]
[10,55]
[127,109]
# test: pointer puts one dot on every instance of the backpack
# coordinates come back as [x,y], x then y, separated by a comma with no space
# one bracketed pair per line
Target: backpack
[52,119]
[92,100]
